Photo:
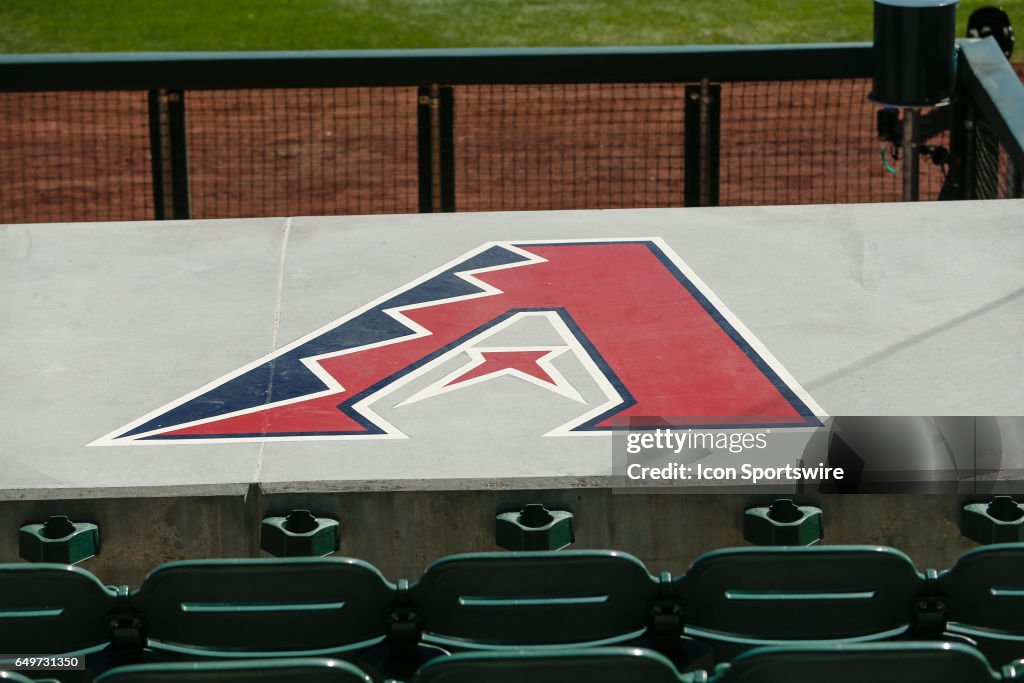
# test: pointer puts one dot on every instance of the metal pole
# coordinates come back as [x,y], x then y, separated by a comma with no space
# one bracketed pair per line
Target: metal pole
[693,137]
[911,154]
[435,146]
[169,152]
[705,162]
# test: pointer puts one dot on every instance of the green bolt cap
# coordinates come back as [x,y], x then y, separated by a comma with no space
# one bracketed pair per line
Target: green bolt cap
[59,540]
[300,534]
[782,523]
[534,528]
[1000,520]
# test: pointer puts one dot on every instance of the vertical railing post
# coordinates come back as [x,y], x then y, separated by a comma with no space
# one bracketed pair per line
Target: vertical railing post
[711,157]
[702,145]
[692,164]
[955,186]
[970,172]
[424,151]
[436,148]
[169,152]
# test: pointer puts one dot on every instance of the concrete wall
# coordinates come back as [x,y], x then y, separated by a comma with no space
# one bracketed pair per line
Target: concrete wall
[402,532]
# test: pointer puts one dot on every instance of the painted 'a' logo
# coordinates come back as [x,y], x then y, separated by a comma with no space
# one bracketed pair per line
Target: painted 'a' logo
[653,338]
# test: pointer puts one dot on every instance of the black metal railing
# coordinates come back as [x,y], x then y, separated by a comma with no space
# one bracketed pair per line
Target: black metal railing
[208,135]
[988,124]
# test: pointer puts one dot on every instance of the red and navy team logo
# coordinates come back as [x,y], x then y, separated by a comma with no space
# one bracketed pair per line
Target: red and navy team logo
[628,315]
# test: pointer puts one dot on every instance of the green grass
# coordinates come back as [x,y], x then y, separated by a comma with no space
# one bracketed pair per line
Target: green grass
[129,25]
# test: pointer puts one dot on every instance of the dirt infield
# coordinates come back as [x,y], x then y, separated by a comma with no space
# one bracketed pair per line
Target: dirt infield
[85,156]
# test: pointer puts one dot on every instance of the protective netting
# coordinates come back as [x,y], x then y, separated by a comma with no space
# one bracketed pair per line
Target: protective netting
[995,175]
[808,142]
[274,152]
[295,152]
[78,156]
[576,146]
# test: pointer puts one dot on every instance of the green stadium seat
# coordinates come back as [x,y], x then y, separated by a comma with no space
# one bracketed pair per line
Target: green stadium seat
[593,665]
[264,607]
[985,599]
[254,670]
[53,609]
[512,600]
[738,598]
[15,677]
[907,662]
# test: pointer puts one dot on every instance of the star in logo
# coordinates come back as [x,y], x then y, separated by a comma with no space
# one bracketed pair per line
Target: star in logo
[533,364]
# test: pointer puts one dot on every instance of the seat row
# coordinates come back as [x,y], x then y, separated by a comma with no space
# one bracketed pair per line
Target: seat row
[727,602]
[931,662]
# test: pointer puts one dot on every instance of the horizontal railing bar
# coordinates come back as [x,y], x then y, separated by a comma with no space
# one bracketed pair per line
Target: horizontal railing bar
[995,91]
[333,68]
